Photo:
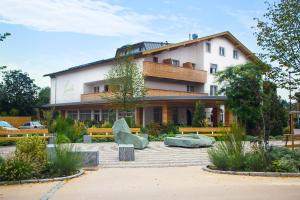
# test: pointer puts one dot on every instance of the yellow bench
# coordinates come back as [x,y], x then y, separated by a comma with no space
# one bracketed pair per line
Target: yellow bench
[207,131]
[107,132]
[9,135]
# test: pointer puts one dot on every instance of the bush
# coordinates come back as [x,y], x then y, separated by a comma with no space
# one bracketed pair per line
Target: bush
[32,150]
[1,160]
[229,154]
[65,162]
[256,159]
[152,128]
[62,139]
[199,115]
[106,124]
[14,169]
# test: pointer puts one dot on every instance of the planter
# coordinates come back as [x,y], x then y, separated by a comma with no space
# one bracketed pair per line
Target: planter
[265,174]
[43,180]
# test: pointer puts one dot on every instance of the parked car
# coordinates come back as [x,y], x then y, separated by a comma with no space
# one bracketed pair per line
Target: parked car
[7,126]
[32,125]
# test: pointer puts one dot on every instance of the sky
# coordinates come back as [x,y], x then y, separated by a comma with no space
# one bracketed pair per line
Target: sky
[52,35]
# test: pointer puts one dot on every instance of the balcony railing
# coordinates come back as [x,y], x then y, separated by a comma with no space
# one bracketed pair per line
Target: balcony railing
[166,71]
[150,92]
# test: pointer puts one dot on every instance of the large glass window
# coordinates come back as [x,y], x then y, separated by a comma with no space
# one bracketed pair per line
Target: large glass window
[213,90]
[72,114]
[190,88]
[157,115]
[126,114]
[108,115]
[85,115]
[96,115]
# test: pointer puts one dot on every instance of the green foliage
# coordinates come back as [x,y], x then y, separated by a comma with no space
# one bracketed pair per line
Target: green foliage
[155,130]
[242,86]
[14,169]
[152,128]
[199,115]
[18,91]
[280,40]
[125,82]
[32,150]
[14,112]
[106,124]
[256,159]
[229,154]
[65,162]
[62,139]
[43,96]
[1,160]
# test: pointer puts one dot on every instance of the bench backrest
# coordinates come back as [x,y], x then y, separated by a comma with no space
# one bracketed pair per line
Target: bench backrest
[204,130]
[24,132]
[93,131]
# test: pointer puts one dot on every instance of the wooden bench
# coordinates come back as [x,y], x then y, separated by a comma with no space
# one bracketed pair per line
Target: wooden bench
[10,135]
[207,131]
[107,132]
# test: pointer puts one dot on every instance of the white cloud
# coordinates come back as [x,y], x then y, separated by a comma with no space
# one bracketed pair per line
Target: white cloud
[95,17]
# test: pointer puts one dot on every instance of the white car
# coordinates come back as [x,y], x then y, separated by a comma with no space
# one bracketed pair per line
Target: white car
[7,126]
[32,125]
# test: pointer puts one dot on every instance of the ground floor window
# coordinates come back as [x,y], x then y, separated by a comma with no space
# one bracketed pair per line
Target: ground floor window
[97,115]
[85,115]
[72,114]
[157,115]
[108,115]
[126,114]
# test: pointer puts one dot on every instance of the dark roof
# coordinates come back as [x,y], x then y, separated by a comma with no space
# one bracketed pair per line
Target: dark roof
[136,49]
[149,98]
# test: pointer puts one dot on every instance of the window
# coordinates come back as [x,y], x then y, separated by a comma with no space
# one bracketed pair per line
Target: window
[208,47]
[190,88]
[108,115]
[96,89]
[105,88]
[213,90]
[126,114]
[157,115]
[96,115]
[175,62]
[193,66]
[72,114]
[221,51]
[155,59]
[213,68]
[85,115]
[235,54]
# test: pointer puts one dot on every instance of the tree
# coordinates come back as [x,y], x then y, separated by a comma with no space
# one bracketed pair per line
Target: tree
[3,36]
[18,91]
[199,115]
[125,83]
[279,36]
[242,86]
[43,96]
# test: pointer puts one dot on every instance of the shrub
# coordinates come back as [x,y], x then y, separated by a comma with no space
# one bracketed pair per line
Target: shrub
[1,160]
[152,128]
[256,159]
[33,151]
[229,154]
[14,169]
[62,139]
[199,115]
[169,128]
[65,162]
[106,124]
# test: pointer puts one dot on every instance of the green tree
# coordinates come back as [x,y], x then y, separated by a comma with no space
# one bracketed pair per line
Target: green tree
[278,35]
[43,96]
[242,86]
[126,83]
[18,91]
[3,36]
[199,115]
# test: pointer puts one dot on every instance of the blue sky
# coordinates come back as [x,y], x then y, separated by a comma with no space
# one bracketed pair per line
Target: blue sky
[51,35]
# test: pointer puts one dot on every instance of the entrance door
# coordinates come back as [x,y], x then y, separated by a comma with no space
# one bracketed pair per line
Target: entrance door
[188,117]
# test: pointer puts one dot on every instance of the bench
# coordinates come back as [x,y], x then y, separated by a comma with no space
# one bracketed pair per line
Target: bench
[107,132]
[292,137]
[11,135]
[207,131]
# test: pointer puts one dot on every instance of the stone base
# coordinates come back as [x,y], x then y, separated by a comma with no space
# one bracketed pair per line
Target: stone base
[89,154]
[126,152]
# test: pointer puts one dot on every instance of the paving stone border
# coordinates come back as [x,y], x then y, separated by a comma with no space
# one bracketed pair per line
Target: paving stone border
[43,180]
[265,174]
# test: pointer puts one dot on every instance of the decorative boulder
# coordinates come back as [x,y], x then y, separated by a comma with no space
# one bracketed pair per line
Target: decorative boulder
[123,135]
[191,141]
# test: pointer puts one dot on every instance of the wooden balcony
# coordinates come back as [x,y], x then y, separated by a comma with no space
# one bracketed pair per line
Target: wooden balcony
[166,71]
[150,92]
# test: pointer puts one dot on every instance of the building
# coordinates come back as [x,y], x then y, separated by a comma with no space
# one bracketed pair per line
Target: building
[176,76]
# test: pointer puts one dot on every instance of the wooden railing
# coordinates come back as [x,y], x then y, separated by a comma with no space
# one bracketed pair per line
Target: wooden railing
[150,92]
[10,135]
[166,71]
